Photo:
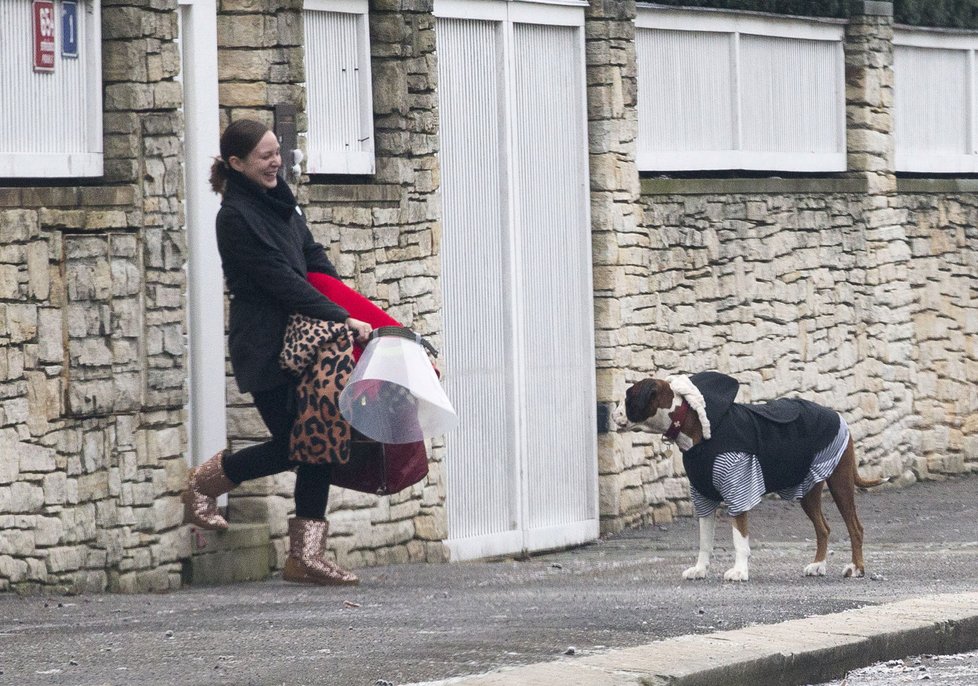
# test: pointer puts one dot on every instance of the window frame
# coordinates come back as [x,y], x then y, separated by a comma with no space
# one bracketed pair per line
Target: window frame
[736,157]
[64,164]
[321,159]
[909,160]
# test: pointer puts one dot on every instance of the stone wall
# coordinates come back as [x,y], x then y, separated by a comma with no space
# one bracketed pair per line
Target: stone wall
[858,292]
[91,345]
[788,292]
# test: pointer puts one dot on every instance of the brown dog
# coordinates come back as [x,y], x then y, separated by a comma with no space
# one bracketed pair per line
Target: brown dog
[737,453]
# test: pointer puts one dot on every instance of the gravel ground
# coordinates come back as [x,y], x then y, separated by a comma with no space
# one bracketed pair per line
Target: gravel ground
[409,623]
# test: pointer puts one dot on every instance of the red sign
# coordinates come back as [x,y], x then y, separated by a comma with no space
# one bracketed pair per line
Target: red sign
[44,26]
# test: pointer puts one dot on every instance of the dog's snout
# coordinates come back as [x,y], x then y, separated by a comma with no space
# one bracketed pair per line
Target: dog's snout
[619,417]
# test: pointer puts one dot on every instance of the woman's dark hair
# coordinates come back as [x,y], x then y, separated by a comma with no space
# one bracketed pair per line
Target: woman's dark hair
[238,140]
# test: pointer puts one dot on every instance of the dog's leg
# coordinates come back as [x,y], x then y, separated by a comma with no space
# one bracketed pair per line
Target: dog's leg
[812,505]
[741,542]
[843,488]
[708,527]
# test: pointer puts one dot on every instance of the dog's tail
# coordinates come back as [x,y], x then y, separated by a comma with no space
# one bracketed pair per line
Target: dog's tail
[863,483]
[856,479]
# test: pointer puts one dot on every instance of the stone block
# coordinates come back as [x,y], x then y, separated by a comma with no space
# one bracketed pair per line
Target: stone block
[17,226]
[13,569]
[128,97]
[246,31]
[242,553]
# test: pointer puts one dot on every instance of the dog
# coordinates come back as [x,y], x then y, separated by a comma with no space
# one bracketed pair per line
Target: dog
[737,453]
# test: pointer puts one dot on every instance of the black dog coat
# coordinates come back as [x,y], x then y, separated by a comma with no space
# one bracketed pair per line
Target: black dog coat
[784,436]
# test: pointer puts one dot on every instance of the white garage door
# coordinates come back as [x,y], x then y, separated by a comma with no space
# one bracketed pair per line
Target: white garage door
[521,469]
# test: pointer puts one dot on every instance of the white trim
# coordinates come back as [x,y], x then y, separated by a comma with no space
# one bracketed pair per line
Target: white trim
[736,22]
[840,94]
[51,165]
[94,66]
[343,6]
[507,141]
[547,14]
[972,131]
[560,13]
[561,536]
[487,545]
[77,164]
[936,163]
[935,39]
[335,162]
[512,542]
[682,386]
[358,157]
[736,93]
[694,160]
[488,10]
[207,405]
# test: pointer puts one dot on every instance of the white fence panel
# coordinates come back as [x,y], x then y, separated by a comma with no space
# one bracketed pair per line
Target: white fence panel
[792,95]
[521,470]
[51,121]
[340,139]
[727,90]
[556,328]
[690,73]
[934,102]
[483,490]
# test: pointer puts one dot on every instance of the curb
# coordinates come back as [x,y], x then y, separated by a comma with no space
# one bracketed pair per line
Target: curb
[800,651]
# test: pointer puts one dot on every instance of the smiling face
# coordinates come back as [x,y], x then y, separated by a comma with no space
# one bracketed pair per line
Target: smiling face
[261,165]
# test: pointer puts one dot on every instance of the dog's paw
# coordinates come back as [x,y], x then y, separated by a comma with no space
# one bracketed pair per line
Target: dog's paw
[736,574]
[815,569]
[696,572]
[853,572]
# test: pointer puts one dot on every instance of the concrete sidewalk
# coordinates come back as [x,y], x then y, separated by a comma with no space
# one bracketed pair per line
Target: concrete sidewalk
[619,602]
[801,651]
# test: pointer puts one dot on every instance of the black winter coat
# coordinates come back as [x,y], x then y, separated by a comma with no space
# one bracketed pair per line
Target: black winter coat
[266,251]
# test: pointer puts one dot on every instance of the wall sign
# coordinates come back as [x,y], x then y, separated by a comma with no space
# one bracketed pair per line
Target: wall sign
[69,28]
[44,23]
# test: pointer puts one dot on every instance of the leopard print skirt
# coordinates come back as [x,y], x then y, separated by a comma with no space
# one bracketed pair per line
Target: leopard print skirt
[320,355]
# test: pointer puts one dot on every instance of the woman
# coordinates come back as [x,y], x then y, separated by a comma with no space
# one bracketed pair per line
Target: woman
[266,251]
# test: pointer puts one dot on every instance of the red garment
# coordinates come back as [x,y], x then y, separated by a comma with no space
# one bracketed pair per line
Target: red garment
[357,305]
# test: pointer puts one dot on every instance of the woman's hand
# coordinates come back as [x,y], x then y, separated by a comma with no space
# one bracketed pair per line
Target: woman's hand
[361,330]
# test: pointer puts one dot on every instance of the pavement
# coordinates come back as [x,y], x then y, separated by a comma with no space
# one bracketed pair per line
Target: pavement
[613,612]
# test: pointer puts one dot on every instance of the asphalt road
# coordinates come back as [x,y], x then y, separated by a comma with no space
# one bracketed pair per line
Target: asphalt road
[410,623]
[938,670]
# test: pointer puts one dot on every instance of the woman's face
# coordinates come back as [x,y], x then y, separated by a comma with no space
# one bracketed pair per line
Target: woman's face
[262,163]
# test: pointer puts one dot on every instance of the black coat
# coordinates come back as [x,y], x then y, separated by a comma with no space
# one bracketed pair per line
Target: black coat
[785,435]
[266,251]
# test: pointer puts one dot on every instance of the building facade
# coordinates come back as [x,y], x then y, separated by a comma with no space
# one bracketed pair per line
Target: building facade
[857,288]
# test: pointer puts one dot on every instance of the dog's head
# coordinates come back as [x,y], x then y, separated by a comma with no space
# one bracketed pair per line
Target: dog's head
[647,406]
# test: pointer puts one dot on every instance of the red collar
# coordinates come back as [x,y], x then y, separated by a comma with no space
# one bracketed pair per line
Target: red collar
[676,420]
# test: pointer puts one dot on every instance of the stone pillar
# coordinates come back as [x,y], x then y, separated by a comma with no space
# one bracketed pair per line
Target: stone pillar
[617,241]
[883,295]
[260,59]
[869,94]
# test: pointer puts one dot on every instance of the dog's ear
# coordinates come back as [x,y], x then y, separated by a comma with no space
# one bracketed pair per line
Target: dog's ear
[639,400]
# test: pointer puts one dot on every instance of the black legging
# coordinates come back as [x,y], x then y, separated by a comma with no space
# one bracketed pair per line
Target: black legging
[277,408]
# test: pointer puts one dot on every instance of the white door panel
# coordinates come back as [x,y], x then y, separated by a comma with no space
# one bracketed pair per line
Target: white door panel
[521,469]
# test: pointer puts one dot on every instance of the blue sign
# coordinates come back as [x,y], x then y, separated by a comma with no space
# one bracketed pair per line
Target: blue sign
[69,28]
